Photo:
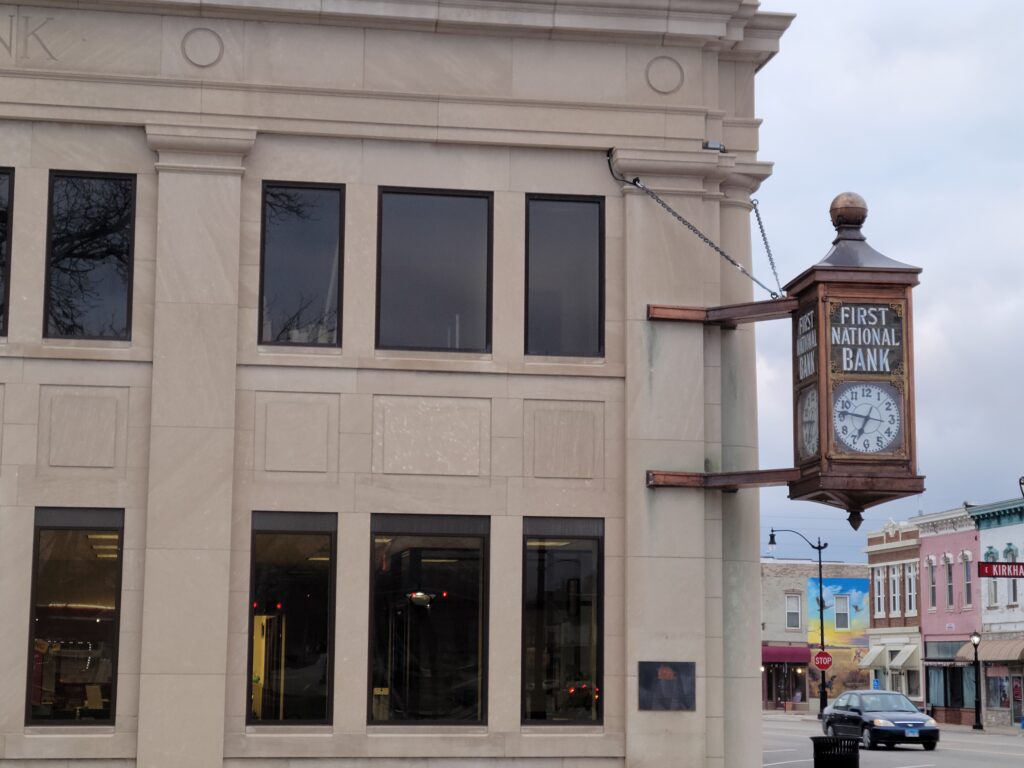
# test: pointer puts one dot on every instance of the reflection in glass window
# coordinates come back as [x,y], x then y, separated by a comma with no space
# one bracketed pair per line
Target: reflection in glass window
[89,262]
[562,621]
[292,615]
[428,632]
[434,280]
[6,189]
[564,276]
[76,591]
[300,283]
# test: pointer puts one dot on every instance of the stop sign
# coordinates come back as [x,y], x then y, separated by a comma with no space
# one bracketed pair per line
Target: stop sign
[823,660]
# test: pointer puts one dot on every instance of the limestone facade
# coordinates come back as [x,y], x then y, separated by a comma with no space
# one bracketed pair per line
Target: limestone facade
[191,425]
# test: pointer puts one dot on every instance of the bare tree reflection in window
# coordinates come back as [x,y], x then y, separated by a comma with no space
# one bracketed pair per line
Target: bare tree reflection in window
[5,240]
[90,256]
[301,262]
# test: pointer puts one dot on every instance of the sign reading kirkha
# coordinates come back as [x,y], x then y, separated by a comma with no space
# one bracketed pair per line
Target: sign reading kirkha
[866,338]
[1001,570]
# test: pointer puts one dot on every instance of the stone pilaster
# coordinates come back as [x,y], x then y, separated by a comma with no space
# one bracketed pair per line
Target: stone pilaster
[741,573]
[188,519]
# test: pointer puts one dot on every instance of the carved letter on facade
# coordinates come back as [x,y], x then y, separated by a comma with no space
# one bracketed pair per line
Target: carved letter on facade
[29,32]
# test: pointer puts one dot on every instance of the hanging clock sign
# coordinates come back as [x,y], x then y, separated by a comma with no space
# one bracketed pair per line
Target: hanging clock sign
[853,372]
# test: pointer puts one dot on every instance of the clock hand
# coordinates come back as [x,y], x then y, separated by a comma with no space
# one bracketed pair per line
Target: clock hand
[866,416]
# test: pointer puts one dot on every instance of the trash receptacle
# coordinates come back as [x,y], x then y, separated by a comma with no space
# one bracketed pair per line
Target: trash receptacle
[836,752]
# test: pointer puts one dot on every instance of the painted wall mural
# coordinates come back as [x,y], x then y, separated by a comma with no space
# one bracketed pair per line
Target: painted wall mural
[847,603]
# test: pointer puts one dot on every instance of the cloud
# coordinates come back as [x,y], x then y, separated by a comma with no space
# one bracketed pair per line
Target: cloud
[917,108]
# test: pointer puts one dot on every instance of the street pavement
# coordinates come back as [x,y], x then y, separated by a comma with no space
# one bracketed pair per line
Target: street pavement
[787,744]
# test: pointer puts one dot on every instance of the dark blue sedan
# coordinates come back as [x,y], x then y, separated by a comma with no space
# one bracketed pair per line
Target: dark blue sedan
[879,717]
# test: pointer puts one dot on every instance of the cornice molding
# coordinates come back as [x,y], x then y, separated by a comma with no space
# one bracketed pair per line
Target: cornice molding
[728,25]
[687,172]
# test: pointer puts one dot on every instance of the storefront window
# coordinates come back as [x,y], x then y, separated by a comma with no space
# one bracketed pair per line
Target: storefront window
[998,692]
[76,591]
[562,621]
[428,627]
[292,599]
[913,683]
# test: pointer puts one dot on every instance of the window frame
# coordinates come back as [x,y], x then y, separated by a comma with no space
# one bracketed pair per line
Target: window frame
[6,272]
[294,523]
[601,274]
[950,592]
[968,581]
[101,520]
[569,528]
[836,612]
[879,578]
[340,188]
[799,610]
[910,586]
[412,524]
[895,576]
[130,280]
[933,595]
[489,303]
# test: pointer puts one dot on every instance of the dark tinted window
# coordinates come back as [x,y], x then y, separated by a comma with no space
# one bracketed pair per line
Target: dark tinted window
[565,275]
[89,266]
[76,591]
[6,190]
[300,296]
[434,281]
[561,628]
[291,636]
[428,627]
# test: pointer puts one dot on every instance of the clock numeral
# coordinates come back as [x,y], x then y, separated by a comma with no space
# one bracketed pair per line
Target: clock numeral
[888,405]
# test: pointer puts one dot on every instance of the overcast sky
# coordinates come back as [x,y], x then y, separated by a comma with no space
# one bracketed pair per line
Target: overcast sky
[917,106]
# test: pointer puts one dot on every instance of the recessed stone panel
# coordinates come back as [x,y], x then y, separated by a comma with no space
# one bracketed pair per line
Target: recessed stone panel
[563,439]
[296,432]
[82,428]
[431,436]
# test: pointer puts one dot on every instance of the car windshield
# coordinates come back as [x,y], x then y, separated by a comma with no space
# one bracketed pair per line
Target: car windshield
[887,702]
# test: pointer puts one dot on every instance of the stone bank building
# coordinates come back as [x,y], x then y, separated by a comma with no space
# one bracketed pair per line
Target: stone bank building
[328,392]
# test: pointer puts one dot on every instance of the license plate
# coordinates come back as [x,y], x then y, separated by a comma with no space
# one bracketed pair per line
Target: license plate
[913,733]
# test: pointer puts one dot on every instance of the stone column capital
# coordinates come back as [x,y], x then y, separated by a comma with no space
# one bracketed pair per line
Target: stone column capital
[200,148]
[695,172]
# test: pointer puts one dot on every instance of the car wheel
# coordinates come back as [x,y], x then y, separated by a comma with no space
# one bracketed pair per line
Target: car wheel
[829,730]
[930,745]
[866,740]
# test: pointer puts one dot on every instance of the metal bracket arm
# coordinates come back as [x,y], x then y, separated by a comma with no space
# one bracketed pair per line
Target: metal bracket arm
[723,481]
[728,316]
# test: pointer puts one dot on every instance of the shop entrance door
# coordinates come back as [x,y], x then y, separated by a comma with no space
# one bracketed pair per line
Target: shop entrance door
[1017,702]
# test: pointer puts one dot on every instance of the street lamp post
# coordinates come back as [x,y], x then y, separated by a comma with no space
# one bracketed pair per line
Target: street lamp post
[976,641]
[823,696]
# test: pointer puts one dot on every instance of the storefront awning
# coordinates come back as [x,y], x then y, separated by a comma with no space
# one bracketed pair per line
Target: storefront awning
[791,654]
[872,658]
[993,650]
[908,657]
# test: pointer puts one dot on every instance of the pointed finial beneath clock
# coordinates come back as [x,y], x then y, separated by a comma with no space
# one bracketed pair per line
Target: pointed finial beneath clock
[848,209]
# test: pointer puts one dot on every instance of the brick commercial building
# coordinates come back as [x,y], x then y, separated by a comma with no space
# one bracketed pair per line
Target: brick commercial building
[894,654]
[328,389]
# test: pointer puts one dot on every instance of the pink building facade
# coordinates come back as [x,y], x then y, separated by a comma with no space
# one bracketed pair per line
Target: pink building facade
[951,605]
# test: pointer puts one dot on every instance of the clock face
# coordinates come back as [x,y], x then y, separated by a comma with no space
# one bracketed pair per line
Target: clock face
[807,422]
[867,417]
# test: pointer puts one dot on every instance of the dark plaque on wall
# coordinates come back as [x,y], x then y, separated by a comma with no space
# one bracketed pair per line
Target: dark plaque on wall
[667,685]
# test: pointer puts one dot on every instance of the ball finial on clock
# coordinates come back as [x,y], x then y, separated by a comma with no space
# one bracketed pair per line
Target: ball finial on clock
[848,209]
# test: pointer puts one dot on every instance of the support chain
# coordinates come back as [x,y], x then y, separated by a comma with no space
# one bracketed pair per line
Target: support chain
[700,235]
